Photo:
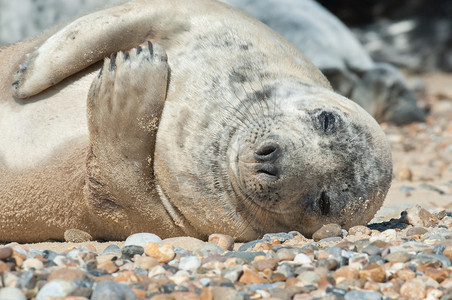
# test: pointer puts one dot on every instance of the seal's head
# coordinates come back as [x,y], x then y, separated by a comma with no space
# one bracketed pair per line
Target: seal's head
[313,158]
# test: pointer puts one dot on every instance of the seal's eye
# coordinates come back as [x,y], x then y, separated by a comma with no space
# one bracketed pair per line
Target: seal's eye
[327,122]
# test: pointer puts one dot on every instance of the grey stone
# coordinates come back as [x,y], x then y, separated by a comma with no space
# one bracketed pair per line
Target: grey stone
[336,252]
[56,288]
[371,250]
[208,250]
[246,256]
[281,236]
[431,258]
[111,249]
[128,252]
[283,254]
[286,269]
[249,245]
[363,295]
[11,293]
[110,290]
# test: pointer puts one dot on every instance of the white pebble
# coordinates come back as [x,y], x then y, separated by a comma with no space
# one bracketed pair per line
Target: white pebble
[32,263]
[141,239]
[56,288]
[11,293]
[301,258]
[189,263]
[157,270]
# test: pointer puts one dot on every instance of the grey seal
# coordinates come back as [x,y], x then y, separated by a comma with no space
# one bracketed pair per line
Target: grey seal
[202,120]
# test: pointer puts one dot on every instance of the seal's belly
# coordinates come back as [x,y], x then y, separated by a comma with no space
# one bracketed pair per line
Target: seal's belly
[33,130]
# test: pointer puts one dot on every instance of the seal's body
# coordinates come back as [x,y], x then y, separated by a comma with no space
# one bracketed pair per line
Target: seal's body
[216,125]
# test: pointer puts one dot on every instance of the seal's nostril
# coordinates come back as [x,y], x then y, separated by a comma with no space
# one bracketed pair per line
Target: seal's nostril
[266,151]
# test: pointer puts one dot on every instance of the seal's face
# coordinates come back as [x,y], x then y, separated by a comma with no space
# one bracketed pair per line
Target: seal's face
[312,161]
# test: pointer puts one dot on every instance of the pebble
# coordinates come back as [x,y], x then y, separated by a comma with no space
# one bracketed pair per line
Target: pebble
[110,290]
[359,230]
[416,231]
[11,293]
[77,236]
[142,239]
[189,263]
[208,250]
[128,252]
[327,231]
[160,251]
[362,295]
[56,288]
[301,258]
[413,289]
[185,242]
[32,263]
[6,252]
[225,242]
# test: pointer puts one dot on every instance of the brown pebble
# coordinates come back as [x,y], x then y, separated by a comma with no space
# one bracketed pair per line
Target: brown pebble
[128,276]
[372,286]
[405,274]
[185,296]
[447,283]
[418,216]
[433,265]
[250,276]
[448,252]
[18,257]
[277,277]
[303,297]
[224,241]
[346,272]
[262,246]
[438,274]
[3,267]
[405,174]
[145,262]
[413,289]
[323,255]
[67,273]
[161,251]
[139,293]
[291,281]
[326,231]
[359,230]
[108,266]
[77,236]
[373,271]
[416,231]
[6,252]
[263,264]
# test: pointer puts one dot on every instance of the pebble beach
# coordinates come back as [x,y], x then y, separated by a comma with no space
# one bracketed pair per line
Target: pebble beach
[405,252]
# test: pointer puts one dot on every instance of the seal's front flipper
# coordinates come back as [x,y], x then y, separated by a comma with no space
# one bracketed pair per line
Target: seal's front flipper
[125,103]
[90,39]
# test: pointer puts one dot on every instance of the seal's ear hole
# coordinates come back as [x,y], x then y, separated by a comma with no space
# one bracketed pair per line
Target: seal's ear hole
[327,122]
[324,204]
